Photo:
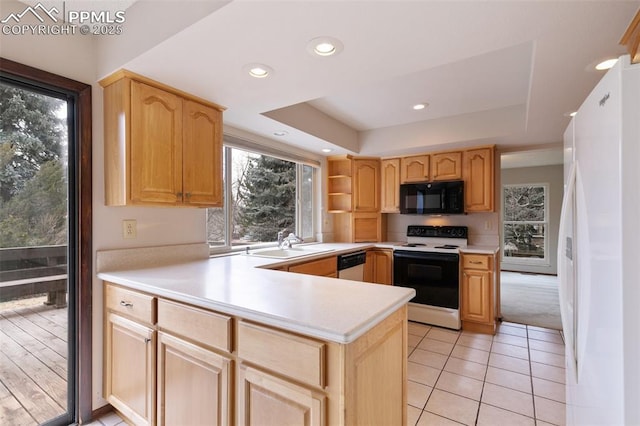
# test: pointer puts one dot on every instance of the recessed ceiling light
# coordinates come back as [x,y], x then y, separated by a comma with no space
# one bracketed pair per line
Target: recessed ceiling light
[605,65]
[281,133]
[324,46]
[418,107]
[570,114]
[327,150]
[258,70]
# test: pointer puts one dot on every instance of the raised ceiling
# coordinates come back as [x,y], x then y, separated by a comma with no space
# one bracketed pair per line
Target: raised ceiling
[500,72]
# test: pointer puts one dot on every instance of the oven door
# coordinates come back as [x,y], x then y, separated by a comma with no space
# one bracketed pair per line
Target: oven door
[434,276]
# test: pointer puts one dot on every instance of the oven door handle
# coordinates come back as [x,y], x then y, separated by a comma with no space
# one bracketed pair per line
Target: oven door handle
[425,256]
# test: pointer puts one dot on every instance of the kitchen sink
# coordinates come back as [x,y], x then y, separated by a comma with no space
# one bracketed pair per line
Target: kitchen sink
[289,253]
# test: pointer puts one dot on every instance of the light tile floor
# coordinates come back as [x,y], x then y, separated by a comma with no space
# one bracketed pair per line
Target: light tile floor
[513,378]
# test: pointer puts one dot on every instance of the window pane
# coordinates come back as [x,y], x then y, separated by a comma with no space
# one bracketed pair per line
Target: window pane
[524,203]
[524,240]
[306,202]
[216,228]
[264,191]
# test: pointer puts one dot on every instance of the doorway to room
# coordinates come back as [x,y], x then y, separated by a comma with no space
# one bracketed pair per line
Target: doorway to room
[531,194]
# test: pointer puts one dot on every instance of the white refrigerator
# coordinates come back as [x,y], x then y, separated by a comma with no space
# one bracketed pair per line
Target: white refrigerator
[599,255]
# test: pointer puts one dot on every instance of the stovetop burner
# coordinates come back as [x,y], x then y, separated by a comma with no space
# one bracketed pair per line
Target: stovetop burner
[444,239]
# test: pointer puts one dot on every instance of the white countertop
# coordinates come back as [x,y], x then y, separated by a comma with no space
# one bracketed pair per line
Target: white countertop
[327,308]
[480,249]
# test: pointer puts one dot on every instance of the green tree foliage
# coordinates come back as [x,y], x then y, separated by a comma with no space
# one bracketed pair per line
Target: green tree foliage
[267,198]
[33,208]
[522,205]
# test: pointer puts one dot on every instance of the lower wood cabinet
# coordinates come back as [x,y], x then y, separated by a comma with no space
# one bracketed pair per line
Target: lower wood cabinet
[215,369]
[326,267]
[265,400]
[479,295]
[130,368]
[379,266]
[194,384]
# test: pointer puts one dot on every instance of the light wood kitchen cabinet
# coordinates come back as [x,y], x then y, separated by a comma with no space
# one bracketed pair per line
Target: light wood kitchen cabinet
[446,166]
[478,293]
[379,266]
[326,267]
[162,146]
[354,198]
[359,227]
[478,175]
[366,178]
[414,169]
[265,400]
[194,382]
[130,356]
[340,184]
[390,186]
[218,369]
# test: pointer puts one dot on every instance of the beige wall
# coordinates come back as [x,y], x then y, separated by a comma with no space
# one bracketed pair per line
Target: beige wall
[553,176]
[75,57]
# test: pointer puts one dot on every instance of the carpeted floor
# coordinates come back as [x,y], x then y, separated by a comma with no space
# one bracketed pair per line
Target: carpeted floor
[530,299]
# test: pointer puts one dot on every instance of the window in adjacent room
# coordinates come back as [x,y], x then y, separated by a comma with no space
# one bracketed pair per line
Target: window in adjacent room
[264,194]
[525,222]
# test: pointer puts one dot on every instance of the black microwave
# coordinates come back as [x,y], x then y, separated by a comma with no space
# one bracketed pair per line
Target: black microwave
[432,198]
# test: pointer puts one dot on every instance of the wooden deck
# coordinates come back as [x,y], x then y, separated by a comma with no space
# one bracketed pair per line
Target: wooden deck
[33,362]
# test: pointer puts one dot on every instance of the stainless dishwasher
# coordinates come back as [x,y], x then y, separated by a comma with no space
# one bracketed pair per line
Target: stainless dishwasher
[351,265]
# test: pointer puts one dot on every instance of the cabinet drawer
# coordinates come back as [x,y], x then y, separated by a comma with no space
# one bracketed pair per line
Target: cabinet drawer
[131,303]
[321,267]
[205,327]
[296,357]
[476,261]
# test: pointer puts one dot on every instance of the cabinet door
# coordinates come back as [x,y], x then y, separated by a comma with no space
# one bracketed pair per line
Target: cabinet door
[366,175]
[367,227]
[202,155]
[478,178]
[321,267]
[383,261]
[194,384]
[476,296]
[130,369]
[265,400]
[156,146]
[390,194]
[414,169]
[446,166]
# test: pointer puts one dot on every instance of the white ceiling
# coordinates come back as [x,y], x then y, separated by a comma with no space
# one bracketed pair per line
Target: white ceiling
[502,72]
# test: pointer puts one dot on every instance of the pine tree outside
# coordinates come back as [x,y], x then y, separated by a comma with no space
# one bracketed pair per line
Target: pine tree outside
[525,222]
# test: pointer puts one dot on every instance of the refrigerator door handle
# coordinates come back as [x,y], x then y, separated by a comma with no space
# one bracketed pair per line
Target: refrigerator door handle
[567,250]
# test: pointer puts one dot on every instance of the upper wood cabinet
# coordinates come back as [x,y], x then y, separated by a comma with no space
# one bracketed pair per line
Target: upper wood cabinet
[446,166]
[366,178]
[390,186]
[414,169]
[340,184]
[478,174]
[162,146]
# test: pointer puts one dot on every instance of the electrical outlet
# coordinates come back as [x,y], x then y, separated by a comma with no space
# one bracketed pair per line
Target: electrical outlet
[129,229]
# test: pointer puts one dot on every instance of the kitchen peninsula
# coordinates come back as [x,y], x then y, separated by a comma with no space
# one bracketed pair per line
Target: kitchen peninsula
[225,340]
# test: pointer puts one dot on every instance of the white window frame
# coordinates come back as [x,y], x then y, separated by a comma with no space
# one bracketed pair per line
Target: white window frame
[546,261]
[227,247]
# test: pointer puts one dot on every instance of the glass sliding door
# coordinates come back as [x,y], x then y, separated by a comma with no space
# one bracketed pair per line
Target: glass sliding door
[37,252]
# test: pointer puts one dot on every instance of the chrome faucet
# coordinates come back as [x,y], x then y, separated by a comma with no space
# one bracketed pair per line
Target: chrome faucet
[288,241]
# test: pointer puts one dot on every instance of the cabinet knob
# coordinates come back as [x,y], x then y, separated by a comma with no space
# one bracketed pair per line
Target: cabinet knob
[179,194]
[188,195]
[126,304]
[147,340]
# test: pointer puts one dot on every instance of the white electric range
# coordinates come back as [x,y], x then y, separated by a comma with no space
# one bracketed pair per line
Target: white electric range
[429,262]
